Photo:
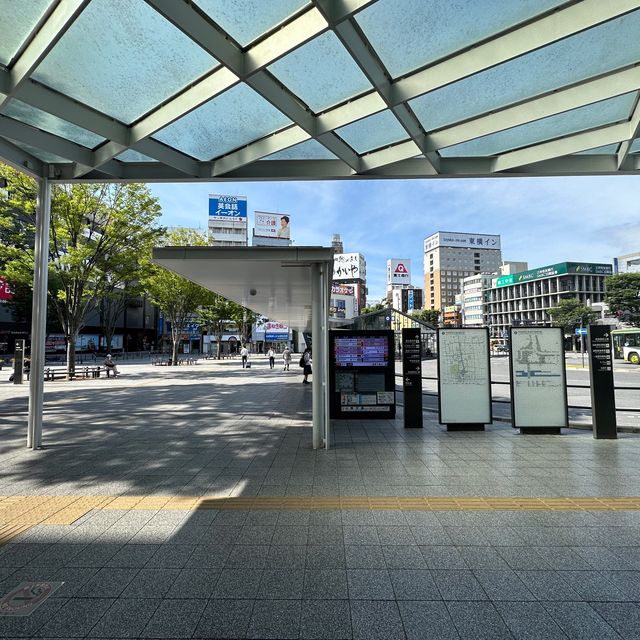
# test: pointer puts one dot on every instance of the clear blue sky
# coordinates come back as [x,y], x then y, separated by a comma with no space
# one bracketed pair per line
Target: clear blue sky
[541,220]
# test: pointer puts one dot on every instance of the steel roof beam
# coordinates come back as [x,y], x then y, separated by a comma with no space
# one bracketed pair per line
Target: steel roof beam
[634,132]
[563,146]
[20,159]
[46,37]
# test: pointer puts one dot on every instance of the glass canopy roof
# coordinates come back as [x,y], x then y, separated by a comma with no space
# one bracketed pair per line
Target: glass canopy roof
[219,89]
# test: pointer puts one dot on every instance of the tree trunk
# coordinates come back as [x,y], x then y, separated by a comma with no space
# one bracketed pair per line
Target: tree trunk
[219,343]
[108,337]
[71,355]
[175,340]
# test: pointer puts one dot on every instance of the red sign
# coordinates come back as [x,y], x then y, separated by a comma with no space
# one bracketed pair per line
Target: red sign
[401,268]
[5,290]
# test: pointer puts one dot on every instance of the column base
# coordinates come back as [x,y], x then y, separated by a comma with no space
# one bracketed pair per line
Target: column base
[465,426]
[540,430]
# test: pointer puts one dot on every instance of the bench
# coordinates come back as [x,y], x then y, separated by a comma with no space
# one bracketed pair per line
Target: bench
[162,362]
[53,373]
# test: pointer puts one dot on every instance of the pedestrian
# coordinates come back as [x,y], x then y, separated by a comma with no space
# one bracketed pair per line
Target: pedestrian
[110,366]
[272,358]
[244,354]
[286,358]
[305,363]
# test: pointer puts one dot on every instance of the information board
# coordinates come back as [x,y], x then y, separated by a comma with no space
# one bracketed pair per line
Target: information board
[603,399]
[538,379]
[361,374]
[464,377]
[412,377]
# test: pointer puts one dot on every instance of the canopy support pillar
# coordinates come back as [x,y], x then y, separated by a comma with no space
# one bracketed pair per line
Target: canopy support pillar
[318,378]
[39,320]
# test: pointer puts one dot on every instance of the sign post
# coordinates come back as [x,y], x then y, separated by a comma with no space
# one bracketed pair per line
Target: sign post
[412,378]
[18,362]
[603,401]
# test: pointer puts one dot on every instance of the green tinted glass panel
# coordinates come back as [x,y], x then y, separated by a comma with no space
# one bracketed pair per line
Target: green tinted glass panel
[52,124]
[246,20]
[45,156]
[131,155]
[577,58]
[607,149]
[408,34]
[18,18]
[373,132]
[593,115]
[123,59]
[635,147]
[310,72]
[232,119]
[308,150]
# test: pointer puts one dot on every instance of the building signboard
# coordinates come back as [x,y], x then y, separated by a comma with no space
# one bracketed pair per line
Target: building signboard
[538,384]
[398,271]
[227,207]
[5,290]
[549,271]
[463,240]
[603,395]
[272,225]
[341,289]
[464,378]
[348,266]
[276,332]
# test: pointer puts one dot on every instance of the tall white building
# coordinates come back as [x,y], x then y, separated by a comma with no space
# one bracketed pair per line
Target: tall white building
[227,224]
[473,299]
[629,263]
[451,256]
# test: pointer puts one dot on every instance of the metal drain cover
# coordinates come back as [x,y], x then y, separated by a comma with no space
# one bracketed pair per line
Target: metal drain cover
[27,597]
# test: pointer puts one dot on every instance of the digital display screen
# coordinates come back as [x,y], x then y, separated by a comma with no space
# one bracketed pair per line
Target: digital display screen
[361,351]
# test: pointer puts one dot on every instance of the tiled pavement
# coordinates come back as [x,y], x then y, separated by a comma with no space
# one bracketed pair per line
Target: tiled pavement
[161,569]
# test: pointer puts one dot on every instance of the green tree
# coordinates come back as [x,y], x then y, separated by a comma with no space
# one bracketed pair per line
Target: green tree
[623,296]
[427,315]
[92,225]
[215,315]
[244,318]
[177,298]
[570,314]
[372,308]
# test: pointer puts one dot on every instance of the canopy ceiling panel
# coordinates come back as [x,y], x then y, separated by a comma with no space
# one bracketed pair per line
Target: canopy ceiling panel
[174,90]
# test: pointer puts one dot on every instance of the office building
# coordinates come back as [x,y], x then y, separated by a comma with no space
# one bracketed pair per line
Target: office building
[336,243]
[398,278]
[473,299]
[512,266]
[227,224]
[524,299]
[449,257]
[351,269]
[406,299]
[629,263]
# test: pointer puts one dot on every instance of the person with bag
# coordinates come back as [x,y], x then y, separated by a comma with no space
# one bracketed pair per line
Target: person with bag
[305,363]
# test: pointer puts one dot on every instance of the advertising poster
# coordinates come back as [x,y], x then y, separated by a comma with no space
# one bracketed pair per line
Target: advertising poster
[272,225]
[276,332]
[398,271]
[538,386]
[348,266]
[227,207]
[5,290]
[464,376]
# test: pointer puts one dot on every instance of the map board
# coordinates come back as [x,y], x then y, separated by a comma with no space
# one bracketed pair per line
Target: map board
[361,374]
[464,376]
[538,384]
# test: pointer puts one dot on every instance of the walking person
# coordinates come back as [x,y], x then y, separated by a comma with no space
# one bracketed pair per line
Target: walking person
[110,366]
[272,358]
[244,354]
[305,363]
[286,358]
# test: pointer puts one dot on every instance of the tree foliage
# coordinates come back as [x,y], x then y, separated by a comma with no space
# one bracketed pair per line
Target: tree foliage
[97,234]
[177,298]
[569,313]
[623,296]
[215,315]
[372,308]
[427,315]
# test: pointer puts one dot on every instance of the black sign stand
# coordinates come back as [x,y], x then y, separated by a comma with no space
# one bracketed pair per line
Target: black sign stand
[18,362]
[412,378]
[603,401]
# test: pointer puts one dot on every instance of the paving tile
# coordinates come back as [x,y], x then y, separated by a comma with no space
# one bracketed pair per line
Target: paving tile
[75,618]
[364,557]
[323,518]
[194,583]
[478,621]
[441,557]
[275,619]
[255,534]
[602,559]
[171,556]
[109,582]
[548,585]
[283,584]
[623,617]
[357,517]
[503,585]
[151,583]
[404,557]
[287,557]
[187,534]
[482,558]
[294,518]
[324,534]
[388,517]
[218,535]
[579,621]
[627,581]
[27,626]
[74,579]
[124,619]
[430,535]
[325,584]
[414,584]
[238,584]
[592,585]
[174,619]
[290,535]
[376,620]
[529,621]
[325,557]
[391,535]
[369,584]
[94,555]
[358,535]
[523,558]
[430,620]
[563,559]
[248,557]
[457,584]
[133,555]
[209,557]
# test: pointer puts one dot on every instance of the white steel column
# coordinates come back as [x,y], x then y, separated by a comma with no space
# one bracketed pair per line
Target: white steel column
[316,337]
[325,354]
[39,321]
